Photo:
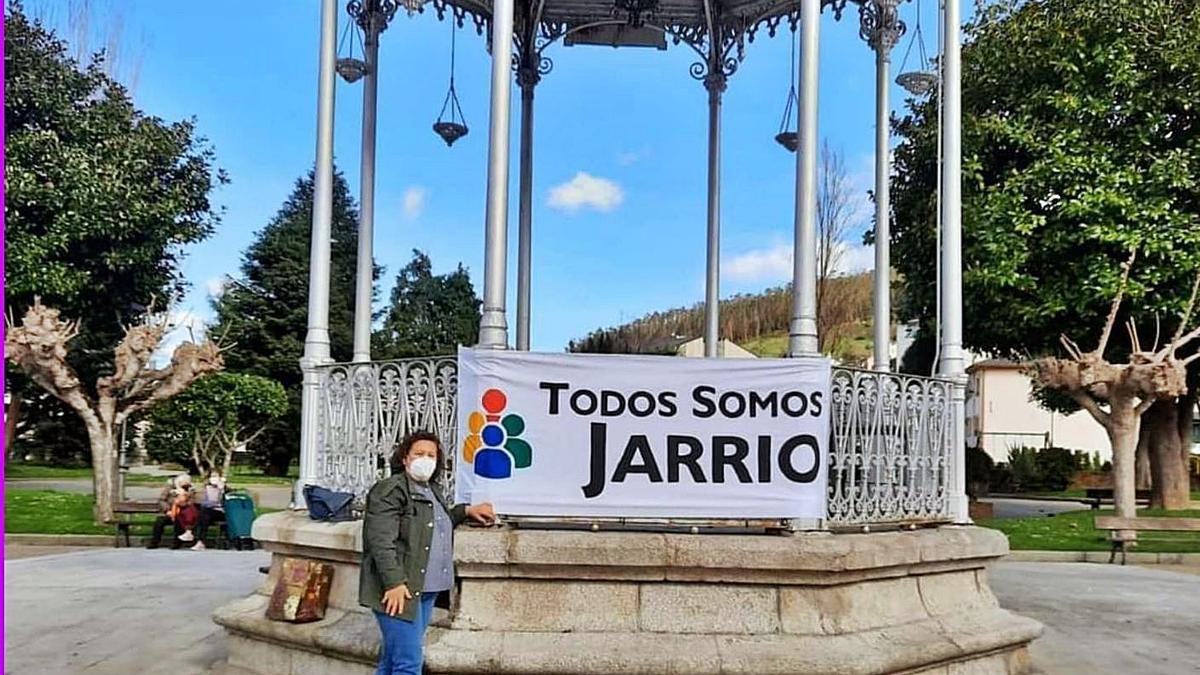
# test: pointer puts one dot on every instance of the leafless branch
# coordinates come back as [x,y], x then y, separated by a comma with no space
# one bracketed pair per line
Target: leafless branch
[1187,313]
[1116,303]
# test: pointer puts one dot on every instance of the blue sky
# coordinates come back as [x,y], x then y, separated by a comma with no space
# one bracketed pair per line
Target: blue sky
[624,239]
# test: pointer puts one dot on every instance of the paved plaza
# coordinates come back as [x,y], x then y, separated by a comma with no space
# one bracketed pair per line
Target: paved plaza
[120,611]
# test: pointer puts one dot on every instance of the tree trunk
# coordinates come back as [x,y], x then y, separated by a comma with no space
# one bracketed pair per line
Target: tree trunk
[278,463]
[1169,480]
[1143,470]
[1123,433]
[1186,410]
[104,470]
[10,424]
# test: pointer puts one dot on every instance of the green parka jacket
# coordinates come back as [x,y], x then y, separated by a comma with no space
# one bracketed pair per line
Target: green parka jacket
[397,531]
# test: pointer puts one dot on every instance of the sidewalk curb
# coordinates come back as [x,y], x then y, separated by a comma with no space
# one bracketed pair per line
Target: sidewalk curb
[1102,557]
[69,540]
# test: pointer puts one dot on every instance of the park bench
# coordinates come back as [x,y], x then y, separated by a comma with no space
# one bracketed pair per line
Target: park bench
[125,511]
[1113,523]
[1097,496]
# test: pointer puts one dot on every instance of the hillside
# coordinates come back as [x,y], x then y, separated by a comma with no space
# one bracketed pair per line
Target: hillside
[758,322]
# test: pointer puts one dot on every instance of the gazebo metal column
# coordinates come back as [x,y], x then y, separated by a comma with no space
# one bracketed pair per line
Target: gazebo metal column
[714,82]
[802,334]
[952,363]
[316,342]
[493,325]
[527,79]
[530,66]
[373,17]
[880,26]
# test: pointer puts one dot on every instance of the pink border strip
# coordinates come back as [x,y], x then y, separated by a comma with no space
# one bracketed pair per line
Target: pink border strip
[2,325]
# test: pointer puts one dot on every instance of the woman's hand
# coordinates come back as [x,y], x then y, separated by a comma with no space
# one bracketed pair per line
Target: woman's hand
[394,599]
[482,513]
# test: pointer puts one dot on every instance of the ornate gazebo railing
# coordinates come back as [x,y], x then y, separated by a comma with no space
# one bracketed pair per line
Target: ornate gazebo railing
[889,462]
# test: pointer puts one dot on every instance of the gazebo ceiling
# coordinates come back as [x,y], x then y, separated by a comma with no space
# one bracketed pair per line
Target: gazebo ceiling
[647,23]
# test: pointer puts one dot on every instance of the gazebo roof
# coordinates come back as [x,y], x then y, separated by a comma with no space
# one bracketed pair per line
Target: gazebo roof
[645,23]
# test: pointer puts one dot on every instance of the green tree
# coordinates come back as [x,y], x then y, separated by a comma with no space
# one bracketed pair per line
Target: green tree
[100,201]
[265,312]
[1081,142]
[213,417]
[429,313]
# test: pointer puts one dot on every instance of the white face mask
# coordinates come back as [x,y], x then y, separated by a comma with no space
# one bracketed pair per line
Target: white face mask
[421,469]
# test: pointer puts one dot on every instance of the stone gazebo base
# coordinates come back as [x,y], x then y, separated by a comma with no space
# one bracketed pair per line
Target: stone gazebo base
[566,602]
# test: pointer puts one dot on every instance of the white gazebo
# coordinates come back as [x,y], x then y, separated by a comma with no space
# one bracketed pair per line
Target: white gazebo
[531,27]
[893,579]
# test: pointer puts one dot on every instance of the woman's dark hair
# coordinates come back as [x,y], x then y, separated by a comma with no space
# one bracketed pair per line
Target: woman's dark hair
[406,445]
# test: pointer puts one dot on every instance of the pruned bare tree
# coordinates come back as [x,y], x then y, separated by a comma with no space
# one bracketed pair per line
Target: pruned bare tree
[838,305]
[91,30]
[1117,395]
[39,346]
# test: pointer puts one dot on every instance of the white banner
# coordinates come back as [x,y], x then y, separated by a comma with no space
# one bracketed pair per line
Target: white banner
[642,436]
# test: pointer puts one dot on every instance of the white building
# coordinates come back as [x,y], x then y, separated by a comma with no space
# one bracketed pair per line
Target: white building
[1000,414]
[726,349]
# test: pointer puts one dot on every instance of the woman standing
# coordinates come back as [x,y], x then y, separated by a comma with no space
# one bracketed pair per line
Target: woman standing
[408,552]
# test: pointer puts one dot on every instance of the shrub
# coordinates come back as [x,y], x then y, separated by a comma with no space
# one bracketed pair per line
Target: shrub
[1023,466]
[979,472]
[1055,467]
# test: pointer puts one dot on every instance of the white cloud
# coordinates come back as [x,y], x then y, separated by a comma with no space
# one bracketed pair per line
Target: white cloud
[184,326]
[215,287]
[415,198]
[774,264]
[854,258]
[586,191]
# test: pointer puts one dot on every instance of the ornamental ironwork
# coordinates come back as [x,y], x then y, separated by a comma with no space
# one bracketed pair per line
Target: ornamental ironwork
[889,458]
[635,10]
[376,14]
[538,25]
[366,409]
[880,25]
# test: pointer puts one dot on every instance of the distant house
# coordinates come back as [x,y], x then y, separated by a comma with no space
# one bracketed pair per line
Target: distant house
[1001,415]
[726,349]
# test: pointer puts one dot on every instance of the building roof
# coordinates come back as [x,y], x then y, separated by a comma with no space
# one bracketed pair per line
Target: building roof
[995,364]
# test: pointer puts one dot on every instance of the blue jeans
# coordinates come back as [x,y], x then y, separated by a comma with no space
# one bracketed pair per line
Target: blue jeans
[401,651]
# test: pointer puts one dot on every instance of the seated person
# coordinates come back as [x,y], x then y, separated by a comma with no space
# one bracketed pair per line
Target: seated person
[212,507]
[172,502]
[184,513]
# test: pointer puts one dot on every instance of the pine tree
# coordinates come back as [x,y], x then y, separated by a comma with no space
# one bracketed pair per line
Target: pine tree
[429,314]
[266,311]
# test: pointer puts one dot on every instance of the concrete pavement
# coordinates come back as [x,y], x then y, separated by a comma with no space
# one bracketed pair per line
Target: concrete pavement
[1106,618]
[121,611]
[118,611]
[1026,508]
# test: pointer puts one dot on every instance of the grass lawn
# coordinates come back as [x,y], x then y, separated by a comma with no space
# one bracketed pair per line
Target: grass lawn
[239,475]
[769,346]
[53,512]
[1073,531]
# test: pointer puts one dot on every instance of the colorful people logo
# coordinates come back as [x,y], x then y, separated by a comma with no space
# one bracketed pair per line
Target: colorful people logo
[493,445]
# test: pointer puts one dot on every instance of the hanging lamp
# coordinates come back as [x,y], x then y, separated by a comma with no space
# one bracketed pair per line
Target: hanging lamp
[787,137]
[349,67]
[917,82]
[453,127]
